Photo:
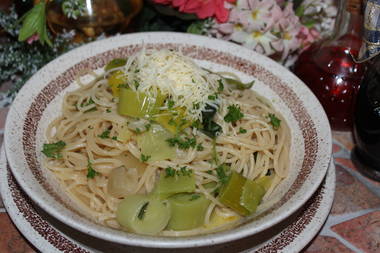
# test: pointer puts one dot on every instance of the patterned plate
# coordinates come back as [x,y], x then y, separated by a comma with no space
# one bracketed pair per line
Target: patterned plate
[50,235]
[40,99]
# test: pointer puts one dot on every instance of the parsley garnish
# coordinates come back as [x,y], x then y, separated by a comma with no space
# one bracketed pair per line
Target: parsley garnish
[234,114]
[184,171]
[200,147]
[53,150]
[196,106]
[212,97]
[221,85]
[171,122]
[274,121]
[182,143]
[145,158]
[221,172]
[170,103]
[147,127]
[142,211]
[170,172]
[105,134]
[197,124]
[91,173]
[89,102]
[114,138]
[108,110]
[209,172]
[137,71]
[194,197]
[242,130]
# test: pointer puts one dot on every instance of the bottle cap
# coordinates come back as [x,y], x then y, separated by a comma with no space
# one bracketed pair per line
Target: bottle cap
[371,37]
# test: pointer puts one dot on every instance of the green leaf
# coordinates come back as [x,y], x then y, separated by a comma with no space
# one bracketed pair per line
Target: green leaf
[195,28]
[300,11]
[34,22]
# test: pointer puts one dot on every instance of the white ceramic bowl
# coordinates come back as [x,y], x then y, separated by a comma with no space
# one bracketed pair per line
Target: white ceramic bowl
[39,101]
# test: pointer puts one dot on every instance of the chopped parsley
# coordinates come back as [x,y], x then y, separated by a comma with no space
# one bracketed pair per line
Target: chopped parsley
[171,122]
[53,150]
[105,134]
[170,103]
[200,147]
[142,211]
[114,138]
[274,121]
[234,114]
[184,171]
[145,158]
[148,126]
[221,85]
[242,130]
[194,197]
[108,110]
[197,124]
[221,172]
[137,71]
[89,102]
[170,172]
[182,143]
[212,97]
[196,106]
[91,173]
[209,172]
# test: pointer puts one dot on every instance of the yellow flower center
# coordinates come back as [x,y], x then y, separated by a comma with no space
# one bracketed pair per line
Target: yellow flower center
[256,34]
[255,14]
[238,27]
[287,36]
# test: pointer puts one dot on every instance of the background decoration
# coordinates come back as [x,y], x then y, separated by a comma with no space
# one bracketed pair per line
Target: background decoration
[35,32]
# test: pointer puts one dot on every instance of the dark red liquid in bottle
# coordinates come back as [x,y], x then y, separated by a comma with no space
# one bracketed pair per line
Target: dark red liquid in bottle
[333,76]
[366,154]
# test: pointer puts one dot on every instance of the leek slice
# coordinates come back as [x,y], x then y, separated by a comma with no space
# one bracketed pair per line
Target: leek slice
[138,104]
[252,195]
[115,63]
[231,192]
[153,143]
[178,183]
[173,120]
[115,79]
[143,214]
[187,211]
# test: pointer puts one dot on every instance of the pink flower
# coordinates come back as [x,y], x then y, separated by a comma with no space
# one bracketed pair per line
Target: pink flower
[33,38]
[202,8]
[307,36]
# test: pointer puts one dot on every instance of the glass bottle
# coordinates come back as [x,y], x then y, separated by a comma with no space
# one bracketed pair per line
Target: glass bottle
[328,69]
[366,153]
[93,17]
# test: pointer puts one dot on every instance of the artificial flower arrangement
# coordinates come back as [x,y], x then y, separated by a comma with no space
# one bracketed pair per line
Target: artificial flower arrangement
[280,29]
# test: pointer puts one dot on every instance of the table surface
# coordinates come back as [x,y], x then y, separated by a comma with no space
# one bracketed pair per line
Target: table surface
[352,226]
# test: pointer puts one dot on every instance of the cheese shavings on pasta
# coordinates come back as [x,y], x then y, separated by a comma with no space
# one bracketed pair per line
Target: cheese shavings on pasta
[175,76]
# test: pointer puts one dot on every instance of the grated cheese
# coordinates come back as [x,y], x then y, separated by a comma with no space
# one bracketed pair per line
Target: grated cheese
[175,76]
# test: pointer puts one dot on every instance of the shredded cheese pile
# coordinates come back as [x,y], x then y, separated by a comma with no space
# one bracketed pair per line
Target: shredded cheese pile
[175,76]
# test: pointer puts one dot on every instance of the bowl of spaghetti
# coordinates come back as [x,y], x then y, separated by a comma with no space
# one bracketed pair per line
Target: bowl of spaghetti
[167,140]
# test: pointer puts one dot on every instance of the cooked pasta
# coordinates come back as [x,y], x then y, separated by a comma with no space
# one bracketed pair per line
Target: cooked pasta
[98,140]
